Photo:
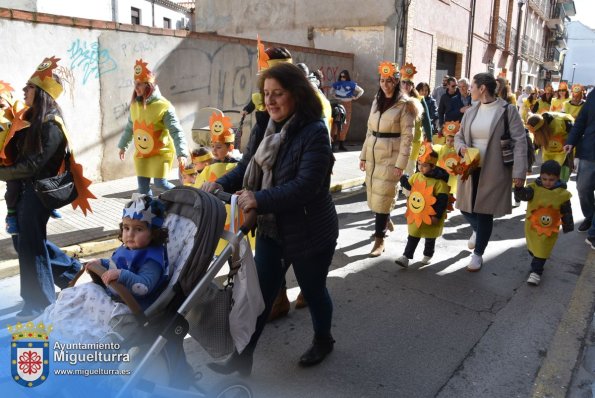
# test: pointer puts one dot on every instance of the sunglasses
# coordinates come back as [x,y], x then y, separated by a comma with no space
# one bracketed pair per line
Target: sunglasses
[343,76]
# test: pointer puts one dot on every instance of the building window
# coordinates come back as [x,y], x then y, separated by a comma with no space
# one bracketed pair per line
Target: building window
[167,23]
[135,16]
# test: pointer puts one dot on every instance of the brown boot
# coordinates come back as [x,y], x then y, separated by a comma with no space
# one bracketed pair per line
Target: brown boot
[280,306]
[300,302]
[378,247]
[390,226]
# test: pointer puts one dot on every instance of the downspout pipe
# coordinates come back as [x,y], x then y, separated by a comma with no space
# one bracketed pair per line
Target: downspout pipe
[470,38]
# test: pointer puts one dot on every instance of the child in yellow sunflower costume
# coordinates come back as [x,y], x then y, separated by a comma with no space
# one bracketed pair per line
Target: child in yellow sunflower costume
[155,131]
[550,131]
[222,138]
[447,154]
[576,102]
[548,207]
[426,205]
[406,81]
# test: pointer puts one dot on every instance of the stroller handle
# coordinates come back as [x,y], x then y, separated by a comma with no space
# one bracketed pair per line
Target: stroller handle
[249,216]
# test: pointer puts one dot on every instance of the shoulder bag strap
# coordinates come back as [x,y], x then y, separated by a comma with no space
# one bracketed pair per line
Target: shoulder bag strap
[506,135]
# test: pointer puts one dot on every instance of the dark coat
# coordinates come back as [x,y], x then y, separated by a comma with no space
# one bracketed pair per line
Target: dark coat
[449,108]
[37,166]
[300,199]
[582,134]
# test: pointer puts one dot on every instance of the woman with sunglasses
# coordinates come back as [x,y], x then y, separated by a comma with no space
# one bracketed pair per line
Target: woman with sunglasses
[345,91]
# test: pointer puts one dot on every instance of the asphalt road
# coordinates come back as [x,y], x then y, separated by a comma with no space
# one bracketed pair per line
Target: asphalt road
[427,331]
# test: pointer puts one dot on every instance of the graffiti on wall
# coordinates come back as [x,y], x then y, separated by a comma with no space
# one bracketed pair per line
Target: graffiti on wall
[67,77]
[91,58]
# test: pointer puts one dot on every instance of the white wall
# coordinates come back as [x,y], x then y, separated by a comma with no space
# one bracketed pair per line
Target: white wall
[97,66]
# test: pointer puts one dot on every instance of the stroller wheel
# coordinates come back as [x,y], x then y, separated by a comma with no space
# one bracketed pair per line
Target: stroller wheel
[231,389]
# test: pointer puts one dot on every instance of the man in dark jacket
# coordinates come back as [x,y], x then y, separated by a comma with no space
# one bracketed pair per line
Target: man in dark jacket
[449,108]
[582,136]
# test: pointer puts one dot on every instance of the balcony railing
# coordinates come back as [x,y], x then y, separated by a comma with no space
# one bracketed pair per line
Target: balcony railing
[553,55]
[501,39]
[542,7]
[530,49]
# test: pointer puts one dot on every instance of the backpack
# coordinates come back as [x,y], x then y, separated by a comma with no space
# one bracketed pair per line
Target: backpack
[339,114]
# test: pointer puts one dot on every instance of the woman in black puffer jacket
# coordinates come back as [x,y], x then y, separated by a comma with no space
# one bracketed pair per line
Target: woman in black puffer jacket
[285,176]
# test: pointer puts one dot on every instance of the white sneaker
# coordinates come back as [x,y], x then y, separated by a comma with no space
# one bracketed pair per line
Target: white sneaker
[534,279]
[403,261]
[426,260]
[475,263]
[471,241]
[516,203]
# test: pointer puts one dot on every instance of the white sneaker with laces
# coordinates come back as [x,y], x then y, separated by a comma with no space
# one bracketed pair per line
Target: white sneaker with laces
[426,260]
[403,261]
[475,263]
[471,241]
[534,279]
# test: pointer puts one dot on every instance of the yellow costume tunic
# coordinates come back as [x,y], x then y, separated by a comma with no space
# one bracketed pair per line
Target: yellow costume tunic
[423,195]
[154,147]
[544,218]
[418,138]
[446,157]
[555,148]
[211,173]
[526,109]
[573,110]
[543,106]
[558,104]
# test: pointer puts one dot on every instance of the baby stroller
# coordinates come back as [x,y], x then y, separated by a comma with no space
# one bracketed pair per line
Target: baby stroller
[195,220]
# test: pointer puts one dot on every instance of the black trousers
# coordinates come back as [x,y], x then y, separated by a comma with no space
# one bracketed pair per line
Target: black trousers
[412,243]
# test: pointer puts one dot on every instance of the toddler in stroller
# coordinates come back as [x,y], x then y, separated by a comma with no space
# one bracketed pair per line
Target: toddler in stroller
[83,313]
[153,332]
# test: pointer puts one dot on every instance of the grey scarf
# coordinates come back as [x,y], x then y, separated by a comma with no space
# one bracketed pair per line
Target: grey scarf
[259,173]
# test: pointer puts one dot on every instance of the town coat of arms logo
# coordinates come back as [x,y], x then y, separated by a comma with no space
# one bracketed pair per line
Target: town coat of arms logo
[29,353]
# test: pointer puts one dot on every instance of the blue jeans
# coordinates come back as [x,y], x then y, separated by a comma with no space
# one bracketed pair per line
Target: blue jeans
[482,224]
[585,185]
[144,185]
[37,282]
[311,275]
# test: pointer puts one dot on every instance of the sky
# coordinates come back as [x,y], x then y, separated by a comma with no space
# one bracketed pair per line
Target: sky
[585,12]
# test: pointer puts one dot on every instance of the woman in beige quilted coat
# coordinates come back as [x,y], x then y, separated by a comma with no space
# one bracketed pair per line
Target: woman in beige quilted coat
[387,147]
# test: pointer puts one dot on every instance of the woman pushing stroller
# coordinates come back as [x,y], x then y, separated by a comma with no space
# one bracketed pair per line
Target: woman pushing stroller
[284,176]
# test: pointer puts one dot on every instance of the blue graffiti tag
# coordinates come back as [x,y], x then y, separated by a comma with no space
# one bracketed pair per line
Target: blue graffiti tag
[91,58]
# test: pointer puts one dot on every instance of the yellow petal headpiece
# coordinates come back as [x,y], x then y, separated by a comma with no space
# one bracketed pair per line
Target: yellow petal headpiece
[43,77]
[221,129]
[142,74]
[577,88]
[407,72]
[451,128]
[539,124]
[6,92]
[427,154]
[387,69]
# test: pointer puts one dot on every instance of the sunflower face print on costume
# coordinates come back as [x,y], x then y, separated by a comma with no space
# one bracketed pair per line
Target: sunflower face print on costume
[419,204]
[545,220]
[146,141]
[555,144]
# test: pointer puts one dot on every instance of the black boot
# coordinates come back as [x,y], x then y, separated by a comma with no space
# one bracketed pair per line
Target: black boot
[342,146]
[334,146]
[321,347]
[241,363]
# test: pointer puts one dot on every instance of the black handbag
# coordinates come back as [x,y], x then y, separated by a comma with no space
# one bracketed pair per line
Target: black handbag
[55,192]
[506,144]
